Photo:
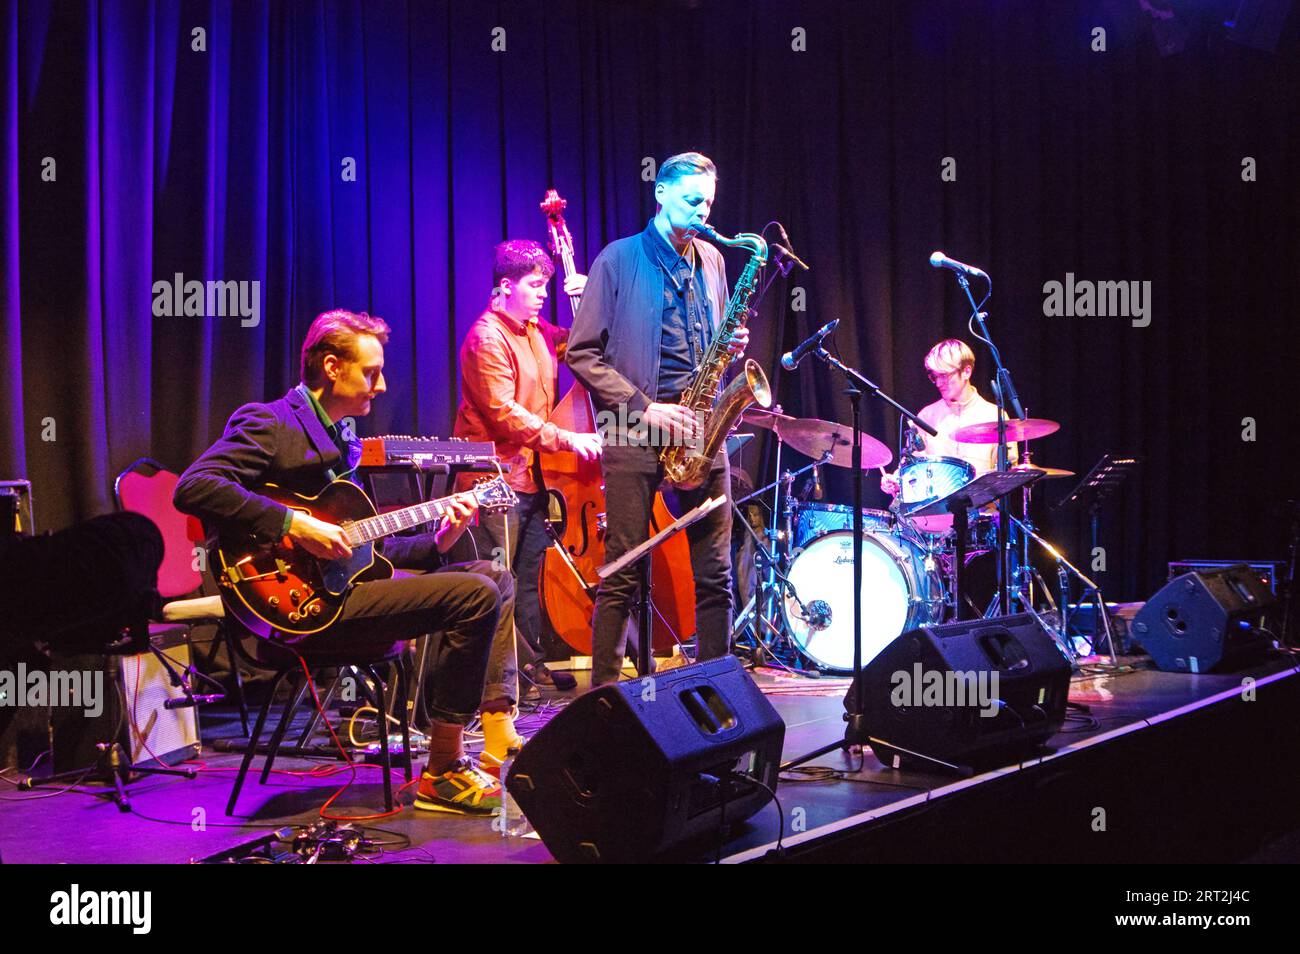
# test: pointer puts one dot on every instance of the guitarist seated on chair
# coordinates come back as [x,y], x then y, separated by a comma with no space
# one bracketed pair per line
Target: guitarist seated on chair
[298,444]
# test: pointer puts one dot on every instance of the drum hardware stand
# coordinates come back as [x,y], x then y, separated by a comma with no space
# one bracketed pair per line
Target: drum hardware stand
[1022,572]
[1064,569]
[959,507]
[1004,464]
[1025,586]
[781,510]
[856,732]
[762,605]
[761,622]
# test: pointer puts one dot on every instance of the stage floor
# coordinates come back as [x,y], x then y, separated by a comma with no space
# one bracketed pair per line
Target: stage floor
[1150,739]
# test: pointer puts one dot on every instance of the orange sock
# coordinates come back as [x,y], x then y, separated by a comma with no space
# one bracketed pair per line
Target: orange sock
[446,745]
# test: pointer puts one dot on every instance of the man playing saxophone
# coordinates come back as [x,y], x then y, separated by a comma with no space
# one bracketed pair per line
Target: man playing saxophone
[652,305]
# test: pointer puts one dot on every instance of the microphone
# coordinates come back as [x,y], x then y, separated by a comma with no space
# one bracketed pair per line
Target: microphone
[940,260]
[819,615]
[785,237]
[912,443]
[186,702]
[790,360]
[784,252]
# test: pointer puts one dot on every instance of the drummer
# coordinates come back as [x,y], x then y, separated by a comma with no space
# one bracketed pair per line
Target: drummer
[949,366]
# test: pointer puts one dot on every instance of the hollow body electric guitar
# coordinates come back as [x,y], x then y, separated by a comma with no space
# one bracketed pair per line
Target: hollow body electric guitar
[279,589]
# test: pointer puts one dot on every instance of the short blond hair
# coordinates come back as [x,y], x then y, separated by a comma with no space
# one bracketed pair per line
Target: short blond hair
[949,355]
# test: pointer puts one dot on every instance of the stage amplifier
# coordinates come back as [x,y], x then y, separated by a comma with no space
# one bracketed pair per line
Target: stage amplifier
[135,690]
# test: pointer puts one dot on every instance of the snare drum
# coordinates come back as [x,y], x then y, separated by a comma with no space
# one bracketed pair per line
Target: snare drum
[924,479]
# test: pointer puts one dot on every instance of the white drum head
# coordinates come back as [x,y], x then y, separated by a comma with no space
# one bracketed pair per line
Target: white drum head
[823,571]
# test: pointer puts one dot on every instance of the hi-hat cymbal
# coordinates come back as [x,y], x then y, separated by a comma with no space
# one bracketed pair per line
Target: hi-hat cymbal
[1030,429]
[1045,471]
[814,437]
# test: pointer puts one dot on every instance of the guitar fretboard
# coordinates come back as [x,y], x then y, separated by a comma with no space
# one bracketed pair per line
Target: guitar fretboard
[374,528]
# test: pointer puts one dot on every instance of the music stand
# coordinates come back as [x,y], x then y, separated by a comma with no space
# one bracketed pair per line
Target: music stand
[986,488]
[1097,487]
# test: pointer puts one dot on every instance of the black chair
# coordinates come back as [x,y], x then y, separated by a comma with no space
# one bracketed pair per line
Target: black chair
[286,663]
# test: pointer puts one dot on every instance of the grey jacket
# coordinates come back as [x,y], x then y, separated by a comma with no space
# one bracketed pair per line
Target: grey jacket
[615,342]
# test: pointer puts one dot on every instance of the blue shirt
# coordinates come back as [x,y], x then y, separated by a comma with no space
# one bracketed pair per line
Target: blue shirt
[686,316]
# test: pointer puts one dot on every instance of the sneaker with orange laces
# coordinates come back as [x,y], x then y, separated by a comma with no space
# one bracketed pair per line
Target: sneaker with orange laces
[463,790]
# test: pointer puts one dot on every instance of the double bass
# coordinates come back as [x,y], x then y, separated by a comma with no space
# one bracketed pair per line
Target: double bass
[569,581]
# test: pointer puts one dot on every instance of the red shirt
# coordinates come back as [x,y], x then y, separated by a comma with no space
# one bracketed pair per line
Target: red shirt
[507,392]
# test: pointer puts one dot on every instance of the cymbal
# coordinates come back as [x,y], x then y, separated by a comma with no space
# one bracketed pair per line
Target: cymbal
[1045,471]
[1029,429]
[762,417]
[813,437]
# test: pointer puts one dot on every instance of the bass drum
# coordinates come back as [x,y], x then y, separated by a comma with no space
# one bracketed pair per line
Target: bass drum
[901,589]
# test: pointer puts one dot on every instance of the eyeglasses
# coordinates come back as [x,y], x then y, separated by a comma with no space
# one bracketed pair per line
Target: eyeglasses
[934,378]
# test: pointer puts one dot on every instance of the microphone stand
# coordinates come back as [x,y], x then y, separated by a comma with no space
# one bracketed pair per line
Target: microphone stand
[784,262]
[856,732]
[1003,392]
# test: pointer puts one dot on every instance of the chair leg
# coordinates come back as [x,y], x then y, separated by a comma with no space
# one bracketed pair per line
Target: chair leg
[403,715]
[383,740]
[314,719]
[253,739]
[280,729]
[236,676]
[212,649]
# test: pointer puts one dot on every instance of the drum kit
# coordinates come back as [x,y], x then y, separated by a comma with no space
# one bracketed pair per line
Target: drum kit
[909,572]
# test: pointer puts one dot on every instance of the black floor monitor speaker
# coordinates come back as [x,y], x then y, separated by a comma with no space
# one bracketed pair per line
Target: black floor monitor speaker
[651,769]
[971,694]
[1205,621]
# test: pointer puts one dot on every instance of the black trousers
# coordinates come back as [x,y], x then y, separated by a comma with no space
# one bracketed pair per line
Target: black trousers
[461,607]
[632,475]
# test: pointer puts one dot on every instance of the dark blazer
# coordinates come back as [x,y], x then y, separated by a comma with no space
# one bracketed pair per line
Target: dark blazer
[282,443]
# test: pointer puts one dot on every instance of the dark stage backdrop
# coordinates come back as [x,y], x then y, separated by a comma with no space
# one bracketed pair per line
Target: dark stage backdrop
[227,162]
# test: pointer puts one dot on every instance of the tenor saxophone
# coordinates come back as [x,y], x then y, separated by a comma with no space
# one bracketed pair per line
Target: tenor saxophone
[688,467]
